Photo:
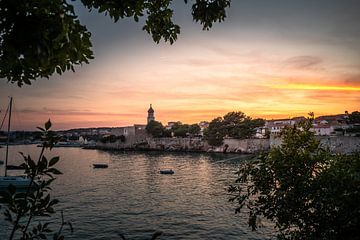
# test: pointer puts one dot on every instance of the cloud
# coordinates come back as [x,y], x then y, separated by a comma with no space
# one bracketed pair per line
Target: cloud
[353,80]
[303,62]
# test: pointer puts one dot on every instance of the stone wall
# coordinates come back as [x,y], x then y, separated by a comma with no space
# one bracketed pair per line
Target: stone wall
[246,145]
[340,144]
[336,144]
[189,144]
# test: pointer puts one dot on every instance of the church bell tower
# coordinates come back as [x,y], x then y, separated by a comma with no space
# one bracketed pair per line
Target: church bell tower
[151,116]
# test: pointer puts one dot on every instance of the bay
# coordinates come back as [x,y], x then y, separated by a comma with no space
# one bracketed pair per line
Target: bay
[132,198]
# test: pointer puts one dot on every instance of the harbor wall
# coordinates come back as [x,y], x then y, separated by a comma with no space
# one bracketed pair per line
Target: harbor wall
[336,144]
[189,144]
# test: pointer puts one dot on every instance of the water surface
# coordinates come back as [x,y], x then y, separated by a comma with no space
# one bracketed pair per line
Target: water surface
[132,198]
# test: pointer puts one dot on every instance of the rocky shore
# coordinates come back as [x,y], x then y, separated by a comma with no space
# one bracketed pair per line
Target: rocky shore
[336,144]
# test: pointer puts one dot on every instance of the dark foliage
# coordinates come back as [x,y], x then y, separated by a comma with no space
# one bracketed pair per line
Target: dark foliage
[155,129]
[215,133]
[194,129]
[41,37]
[354,117]
[234,125]
[180,130]
[112,139]
[303,189]
[22,208]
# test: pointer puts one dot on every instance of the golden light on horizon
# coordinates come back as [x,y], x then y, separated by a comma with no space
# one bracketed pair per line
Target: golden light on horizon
[302,86]
[197,79]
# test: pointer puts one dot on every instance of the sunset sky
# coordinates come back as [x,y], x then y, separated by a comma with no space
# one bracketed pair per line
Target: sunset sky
[269,59]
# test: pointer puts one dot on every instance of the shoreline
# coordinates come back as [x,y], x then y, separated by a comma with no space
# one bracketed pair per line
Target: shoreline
[114,149]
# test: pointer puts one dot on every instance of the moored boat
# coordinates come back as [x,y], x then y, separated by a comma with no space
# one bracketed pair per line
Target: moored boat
[167,171]
[17,181]
[100,165]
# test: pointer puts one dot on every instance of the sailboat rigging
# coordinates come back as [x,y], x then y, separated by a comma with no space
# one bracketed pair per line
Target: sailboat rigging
[17,181]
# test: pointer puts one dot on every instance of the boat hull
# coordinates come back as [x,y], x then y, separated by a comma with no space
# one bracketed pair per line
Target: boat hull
[100,165]
[19,182]
[167,171]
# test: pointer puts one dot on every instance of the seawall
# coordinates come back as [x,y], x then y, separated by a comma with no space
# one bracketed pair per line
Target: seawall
[190,145]
[336,144]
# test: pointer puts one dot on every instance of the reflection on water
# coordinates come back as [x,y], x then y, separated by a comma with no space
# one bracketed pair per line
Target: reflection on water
[132,198]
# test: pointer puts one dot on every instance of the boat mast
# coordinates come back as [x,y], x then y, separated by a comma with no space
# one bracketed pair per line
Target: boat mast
[8,137]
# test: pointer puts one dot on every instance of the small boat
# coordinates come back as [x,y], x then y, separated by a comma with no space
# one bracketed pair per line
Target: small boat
[100,165]
[20,182]
[167,171]
[67,144]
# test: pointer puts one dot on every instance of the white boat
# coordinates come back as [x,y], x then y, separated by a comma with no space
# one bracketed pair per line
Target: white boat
[17,181]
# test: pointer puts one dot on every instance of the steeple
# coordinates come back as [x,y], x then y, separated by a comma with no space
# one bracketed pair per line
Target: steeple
[151,116]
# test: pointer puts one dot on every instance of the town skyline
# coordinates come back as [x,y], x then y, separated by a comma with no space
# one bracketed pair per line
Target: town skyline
[268,59]
[16,126]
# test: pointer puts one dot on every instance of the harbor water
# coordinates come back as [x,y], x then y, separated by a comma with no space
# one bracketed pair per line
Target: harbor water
[132,198]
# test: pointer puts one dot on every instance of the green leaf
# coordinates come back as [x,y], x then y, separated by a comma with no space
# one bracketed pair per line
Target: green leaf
[41,129]
[54,171]
[53,161]
[48,125]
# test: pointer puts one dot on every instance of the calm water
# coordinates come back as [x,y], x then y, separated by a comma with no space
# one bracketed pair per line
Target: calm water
[132,198]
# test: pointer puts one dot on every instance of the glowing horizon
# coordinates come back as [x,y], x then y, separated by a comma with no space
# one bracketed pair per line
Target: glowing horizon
[267,60]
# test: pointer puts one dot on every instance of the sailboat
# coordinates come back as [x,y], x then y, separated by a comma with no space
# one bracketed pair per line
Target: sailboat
[17,181]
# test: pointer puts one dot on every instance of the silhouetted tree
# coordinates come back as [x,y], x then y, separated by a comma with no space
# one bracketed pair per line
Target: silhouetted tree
[306,191]
[354,117]
[238,125]
[180,130]
[155,129]
[39,38]
[234,125]
[194,129]
[215,133]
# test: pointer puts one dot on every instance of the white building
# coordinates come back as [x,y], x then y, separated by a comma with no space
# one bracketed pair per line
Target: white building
[323,129]
[276,126]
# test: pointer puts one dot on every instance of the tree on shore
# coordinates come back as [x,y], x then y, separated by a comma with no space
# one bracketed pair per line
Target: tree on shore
[233,124]
[215,134]
[184,130]
[194,129]
[179,129]
[304,190]
[40,38]
[238,125]
[155,129]
[354,117]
